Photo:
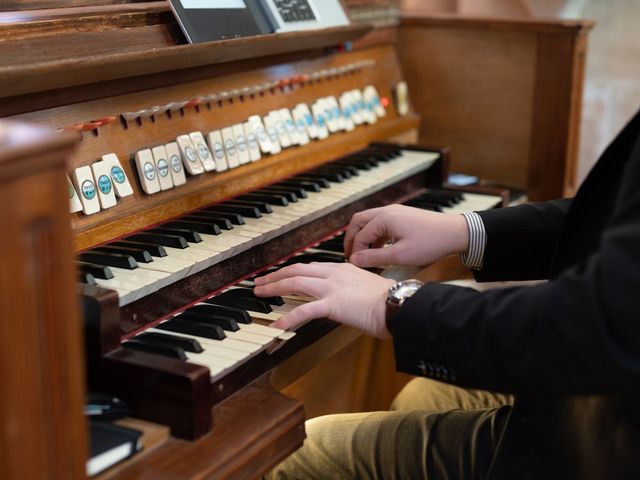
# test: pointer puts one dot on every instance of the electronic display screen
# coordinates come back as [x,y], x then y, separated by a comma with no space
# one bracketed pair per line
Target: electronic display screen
[208,20]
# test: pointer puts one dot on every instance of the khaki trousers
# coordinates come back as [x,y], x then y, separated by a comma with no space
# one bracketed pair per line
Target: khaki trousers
[433,431]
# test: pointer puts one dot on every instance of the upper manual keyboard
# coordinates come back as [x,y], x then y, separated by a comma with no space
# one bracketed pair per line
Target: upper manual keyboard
[146,261]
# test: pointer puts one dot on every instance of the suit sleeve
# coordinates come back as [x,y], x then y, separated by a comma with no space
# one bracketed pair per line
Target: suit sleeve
[578,333]
[521,240]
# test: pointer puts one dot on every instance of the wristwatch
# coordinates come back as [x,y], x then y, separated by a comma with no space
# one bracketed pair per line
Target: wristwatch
[396,296]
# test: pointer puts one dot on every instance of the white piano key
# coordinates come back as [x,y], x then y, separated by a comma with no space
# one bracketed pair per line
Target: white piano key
[258,329]
[286,335]
[223,348]
[269,317]
[248,337]
[214,369]
[128,284]
[169,264]
[212,359]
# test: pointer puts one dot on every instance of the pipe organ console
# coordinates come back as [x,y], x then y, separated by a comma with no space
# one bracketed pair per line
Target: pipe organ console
[196,167]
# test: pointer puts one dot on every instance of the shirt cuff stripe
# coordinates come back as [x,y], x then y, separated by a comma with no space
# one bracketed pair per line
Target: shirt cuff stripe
[474,257]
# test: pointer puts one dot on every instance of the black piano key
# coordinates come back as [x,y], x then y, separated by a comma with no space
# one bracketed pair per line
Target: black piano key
[164,350]
[324,183]
[454,195]
[333,173]
[288,193]
[439,201]
[338,239]
[86,278]
[187,344]
[299,191]
[254,305]
[377,154]
[423,205]
[436,199]
[189,235]
[237,314]
[367,163]
[331,246]
[273,199]
[139,255]
[244,210]
[324,257]
[370,160]
[307,186]
[264,207]
[248,294]
[233,217]
[360,165]
[109,259]
[391,151]
[314,257]
[444,199]
[225,323]
[173,241]
[329,176]
[347,171]
[200,226]
[98,271]
[154,250]
[220,222]
[196,329]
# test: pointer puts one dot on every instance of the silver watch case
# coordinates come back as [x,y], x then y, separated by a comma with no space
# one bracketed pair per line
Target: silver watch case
[397,294]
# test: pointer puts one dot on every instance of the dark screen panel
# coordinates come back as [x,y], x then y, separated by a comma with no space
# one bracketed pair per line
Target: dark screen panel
[207,24]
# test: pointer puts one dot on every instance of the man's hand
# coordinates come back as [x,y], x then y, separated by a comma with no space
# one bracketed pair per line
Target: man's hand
[343,293]
[418,237]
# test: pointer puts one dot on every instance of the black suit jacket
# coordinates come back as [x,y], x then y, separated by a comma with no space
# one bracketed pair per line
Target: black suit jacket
[569,348]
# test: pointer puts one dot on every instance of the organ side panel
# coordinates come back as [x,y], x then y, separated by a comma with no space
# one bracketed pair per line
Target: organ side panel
[41,366]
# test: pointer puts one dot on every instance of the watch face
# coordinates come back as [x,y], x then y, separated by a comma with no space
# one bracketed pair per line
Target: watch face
[403,290]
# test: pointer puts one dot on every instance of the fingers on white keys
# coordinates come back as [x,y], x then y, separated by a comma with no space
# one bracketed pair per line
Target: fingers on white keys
[316,270]
[304,313]
[357,223]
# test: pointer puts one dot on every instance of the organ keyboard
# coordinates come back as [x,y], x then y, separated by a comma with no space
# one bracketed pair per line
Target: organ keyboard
[197,167]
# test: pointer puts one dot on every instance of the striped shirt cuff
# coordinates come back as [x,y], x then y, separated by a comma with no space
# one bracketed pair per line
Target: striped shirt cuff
[474,257]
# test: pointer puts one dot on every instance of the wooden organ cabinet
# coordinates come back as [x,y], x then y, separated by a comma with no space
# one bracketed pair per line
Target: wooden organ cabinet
[114,88]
